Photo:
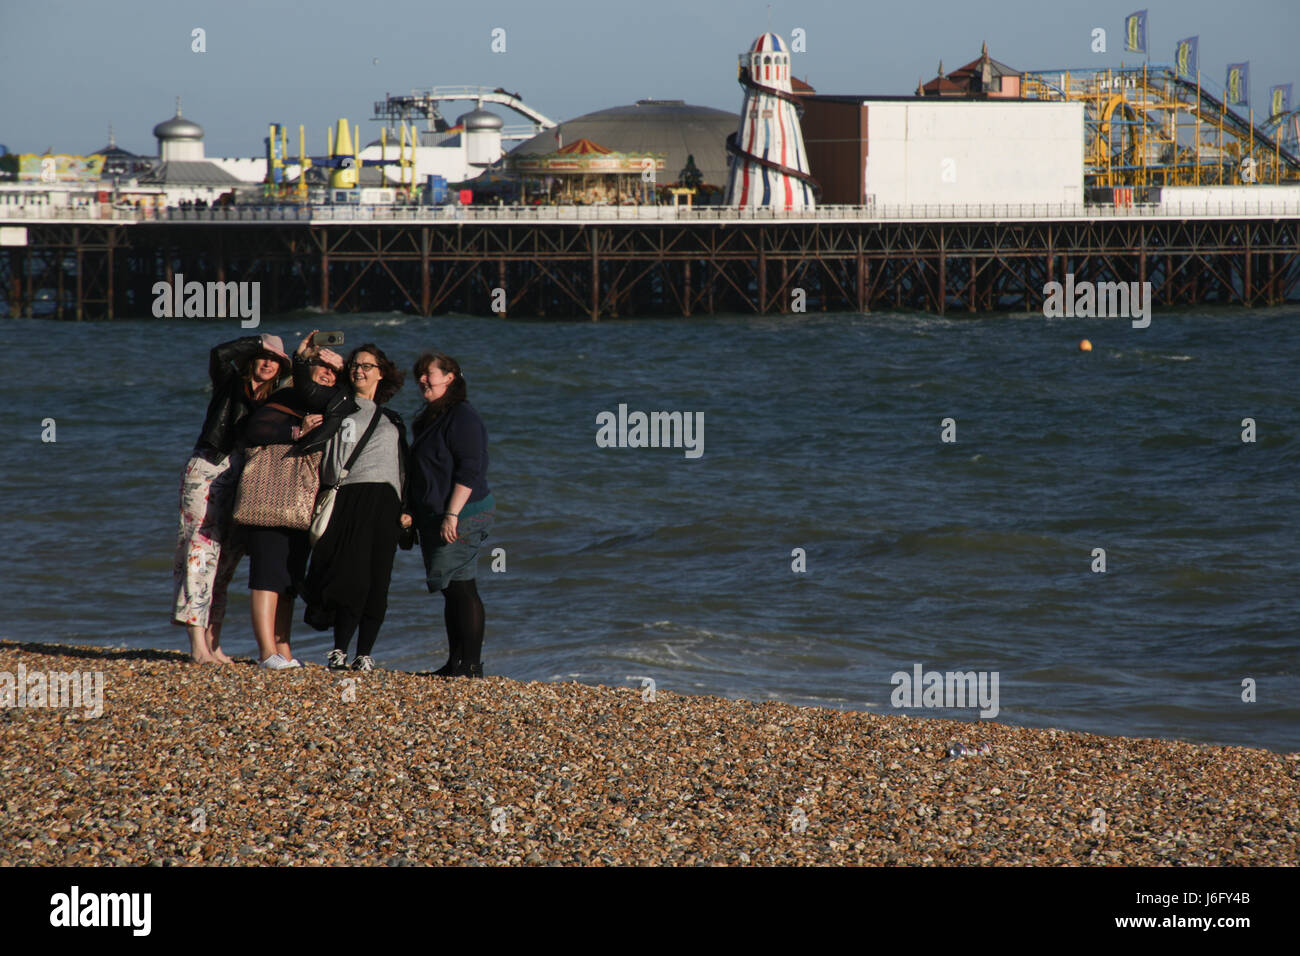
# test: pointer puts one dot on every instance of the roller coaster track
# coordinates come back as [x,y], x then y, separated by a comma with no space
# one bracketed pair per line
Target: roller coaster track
[1164,90]
[1231,119]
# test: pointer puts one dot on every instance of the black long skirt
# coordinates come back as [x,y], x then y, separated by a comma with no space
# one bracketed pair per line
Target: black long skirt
[352,563]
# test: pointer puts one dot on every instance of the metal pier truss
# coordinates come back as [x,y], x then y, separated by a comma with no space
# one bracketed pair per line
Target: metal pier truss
[607,270]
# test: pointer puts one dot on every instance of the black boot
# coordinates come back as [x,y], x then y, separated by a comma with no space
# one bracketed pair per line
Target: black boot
[463,612]
[449,669]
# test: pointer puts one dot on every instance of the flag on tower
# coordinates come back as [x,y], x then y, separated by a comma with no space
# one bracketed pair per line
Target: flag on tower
[1238,84]
[1279,100]
[1135,32]
[1185,58]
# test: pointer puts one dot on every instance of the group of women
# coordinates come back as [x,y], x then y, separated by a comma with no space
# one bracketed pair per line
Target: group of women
[386,493]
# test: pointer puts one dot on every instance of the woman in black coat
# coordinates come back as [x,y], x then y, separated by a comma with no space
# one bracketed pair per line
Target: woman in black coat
[452,504]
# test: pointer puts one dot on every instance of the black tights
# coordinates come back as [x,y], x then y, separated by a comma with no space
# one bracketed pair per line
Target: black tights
[345,625]
[463,613]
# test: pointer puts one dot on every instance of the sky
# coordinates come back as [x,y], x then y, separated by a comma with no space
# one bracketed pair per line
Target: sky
[69,68]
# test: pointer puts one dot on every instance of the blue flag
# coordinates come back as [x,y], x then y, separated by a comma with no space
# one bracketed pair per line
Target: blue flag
[1238,84]
[1135,32]
[1279,100]
[1185,60]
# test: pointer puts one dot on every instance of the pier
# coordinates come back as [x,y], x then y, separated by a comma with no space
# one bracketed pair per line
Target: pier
[603,262]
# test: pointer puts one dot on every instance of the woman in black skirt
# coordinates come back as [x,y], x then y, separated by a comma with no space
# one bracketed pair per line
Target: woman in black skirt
[347,585]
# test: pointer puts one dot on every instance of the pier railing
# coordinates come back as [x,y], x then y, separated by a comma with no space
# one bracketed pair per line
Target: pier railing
[997,212]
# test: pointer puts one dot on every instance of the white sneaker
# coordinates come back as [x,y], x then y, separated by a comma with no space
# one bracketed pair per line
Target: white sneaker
[277,663]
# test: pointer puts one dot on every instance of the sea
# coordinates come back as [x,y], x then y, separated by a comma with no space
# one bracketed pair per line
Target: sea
[1108,537]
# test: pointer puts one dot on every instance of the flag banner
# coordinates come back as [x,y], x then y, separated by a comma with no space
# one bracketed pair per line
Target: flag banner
[1135,32]
[1185,61]
[1238,84]
[1279,100]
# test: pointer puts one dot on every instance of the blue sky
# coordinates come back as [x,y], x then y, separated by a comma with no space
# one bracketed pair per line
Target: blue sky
[70,68]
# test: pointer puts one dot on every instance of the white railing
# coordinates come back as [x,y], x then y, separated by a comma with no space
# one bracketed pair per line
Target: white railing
[462,214]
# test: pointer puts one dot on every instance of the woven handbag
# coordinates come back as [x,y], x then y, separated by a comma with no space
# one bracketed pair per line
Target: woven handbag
[276,489]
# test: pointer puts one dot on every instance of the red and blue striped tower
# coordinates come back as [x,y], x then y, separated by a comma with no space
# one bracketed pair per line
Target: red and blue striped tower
[769,166]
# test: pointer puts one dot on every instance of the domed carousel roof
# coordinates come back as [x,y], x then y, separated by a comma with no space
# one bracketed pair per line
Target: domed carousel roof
[671,127]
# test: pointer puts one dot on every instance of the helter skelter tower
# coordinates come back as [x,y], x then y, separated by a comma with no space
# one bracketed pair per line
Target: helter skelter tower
[769,166]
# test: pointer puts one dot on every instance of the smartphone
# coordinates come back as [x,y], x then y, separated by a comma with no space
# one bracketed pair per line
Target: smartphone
[328,340]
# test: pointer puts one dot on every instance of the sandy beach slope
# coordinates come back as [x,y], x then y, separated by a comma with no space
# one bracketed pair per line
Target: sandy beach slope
[190,764]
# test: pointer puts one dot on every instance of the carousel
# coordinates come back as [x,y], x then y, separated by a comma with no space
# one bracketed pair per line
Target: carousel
[586,173]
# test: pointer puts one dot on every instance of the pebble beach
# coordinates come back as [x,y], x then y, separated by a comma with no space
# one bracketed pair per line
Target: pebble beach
[190,764]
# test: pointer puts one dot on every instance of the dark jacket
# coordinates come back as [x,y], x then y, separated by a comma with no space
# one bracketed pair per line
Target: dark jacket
[451,450]
[230,403]
[336,404]
[269,424]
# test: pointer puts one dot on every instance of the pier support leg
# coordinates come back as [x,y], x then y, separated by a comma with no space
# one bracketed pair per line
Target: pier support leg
[112,271]
[595,274]
[686,288]
[81,269]
[1247,292]
[942,291]
[1142,256]
[501,284]
[862,279]
[58,303]
[424,271]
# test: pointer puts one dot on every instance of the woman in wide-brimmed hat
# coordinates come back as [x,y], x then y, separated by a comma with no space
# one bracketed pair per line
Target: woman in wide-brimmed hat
[277,556]
[244,372]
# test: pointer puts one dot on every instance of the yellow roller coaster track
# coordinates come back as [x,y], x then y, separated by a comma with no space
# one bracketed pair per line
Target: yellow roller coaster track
[1148,126]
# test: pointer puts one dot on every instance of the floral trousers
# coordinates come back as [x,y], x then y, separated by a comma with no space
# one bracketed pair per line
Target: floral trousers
[208,543]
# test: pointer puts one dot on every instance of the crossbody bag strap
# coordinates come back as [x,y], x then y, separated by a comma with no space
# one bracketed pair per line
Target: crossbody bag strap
[286,409]
[365,437]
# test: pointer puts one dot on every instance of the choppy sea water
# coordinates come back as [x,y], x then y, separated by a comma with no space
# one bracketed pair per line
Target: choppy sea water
[821,433]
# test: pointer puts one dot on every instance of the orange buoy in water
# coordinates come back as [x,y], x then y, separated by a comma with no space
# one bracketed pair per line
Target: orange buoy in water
[1085,346]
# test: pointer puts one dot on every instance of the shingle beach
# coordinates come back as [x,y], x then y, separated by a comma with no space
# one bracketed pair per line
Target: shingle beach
[192,764]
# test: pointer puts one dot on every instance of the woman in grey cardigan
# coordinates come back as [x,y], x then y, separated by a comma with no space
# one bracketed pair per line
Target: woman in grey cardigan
[347,584]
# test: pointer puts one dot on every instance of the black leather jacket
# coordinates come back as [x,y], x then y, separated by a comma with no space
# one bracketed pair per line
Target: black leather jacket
[337,404]
[230,403]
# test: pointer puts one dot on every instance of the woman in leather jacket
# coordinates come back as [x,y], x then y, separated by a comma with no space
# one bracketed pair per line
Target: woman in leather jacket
[243,373]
